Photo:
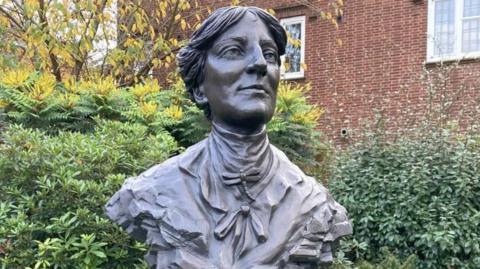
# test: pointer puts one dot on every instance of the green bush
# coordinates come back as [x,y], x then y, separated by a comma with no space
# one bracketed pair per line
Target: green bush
[53,189]
[66,148]
[387,261]
[293,130]
[417,195]
[36,101]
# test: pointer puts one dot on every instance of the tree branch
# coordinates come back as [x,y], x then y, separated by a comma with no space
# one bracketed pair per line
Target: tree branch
[11,18]
[149,63]
[79,62]
[53,58]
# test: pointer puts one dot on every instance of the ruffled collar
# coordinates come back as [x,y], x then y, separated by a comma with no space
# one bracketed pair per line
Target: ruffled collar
[241,212]
[240,160]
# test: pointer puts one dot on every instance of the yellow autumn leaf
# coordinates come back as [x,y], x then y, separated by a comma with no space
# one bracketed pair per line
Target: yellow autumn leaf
[14,78]
[30,7]
[69,100]
[139,91]
[43,87]
[339,42]
[105,86]
[334,22]
[152,32]
[4,22]
[3,103]
[142,90]
[70,84]
[156,62]
[308,117]
[174,112]
[148,108]
[289,93]
[183,24]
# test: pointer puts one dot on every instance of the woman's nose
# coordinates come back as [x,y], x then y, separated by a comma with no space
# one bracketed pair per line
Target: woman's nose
[258,65]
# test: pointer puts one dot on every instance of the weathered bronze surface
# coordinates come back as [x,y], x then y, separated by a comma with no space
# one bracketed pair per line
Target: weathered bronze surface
[232,200]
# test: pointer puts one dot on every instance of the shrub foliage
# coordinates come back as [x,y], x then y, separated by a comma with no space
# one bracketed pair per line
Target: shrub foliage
[293,130]
[37,101]
[54,188]
[67,147]
[415,196]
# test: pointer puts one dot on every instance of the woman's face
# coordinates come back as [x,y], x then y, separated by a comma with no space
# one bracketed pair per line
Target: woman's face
[242,75]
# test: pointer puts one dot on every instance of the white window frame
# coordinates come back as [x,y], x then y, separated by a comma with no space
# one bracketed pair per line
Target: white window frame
[457,53]
[301,73]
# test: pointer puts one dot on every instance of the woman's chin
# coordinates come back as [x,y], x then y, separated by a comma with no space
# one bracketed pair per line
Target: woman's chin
[251,121]
[245,118]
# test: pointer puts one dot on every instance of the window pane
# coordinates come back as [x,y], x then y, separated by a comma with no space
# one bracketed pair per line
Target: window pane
[471,35]
[444,35]
[471,8]
[293,51]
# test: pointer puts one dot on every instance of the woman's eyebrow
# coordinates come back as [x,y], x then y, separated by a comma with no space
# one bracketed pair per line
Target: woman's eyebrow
[267,42]
[240,39]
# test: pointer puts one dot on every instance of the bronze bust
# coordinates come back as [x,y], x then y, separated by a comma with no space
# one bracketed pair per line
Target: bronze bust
[231,200]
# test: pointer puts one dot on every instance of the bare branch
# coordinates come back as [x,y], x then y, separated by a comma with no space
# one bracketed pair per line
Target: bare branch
[79,62]
[149,64]
[53,58]
[11,18]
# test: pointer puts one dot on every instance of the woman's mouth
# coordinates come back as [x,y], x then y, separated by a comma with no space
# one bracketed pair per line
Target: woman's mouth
[254,88]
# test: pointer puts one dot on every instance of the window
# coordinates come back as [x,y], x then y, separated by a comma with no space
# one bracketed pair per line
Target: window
[453,29]
[294,58]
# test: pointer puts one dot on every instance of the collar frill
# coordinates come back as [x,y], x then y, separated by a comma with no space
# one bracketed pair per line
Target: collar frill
[240,160]
[239,170]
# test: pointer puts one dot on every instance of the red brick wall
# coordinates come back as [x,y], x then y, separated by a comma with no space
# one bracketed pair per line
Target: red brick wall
[377,69]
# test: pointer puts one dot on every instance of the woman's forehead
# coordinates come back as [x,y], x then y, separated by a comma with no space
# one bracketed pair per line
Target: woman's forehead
[248,27]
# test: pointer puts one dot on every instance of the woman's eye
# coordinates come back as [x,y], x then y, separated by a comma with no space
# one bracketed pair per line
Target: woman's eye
[270,56]
[231,52]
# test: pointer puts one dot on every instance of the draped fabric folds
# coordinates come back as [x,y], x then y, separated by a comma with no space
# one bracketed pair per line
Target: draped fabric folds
[230,201]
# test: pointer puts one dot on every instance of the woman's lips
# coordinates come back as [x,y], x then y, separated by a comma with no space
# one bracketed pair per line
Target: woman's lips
[254,88]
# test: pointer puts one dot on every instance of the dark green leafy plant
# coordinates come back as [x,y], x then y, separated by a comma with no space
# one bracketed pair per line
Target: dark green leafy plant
[417,195]
[77,143]
[386,261]
[37,101]
[293,130]
[53,189]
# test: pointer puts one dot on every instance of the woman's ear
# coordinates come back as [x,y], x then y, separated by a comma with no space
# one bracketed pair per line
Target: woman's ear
[199,95]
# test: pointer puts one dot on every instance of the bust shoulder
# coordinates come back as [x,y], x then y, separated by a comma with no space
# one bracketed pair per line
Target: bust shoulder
[146,197]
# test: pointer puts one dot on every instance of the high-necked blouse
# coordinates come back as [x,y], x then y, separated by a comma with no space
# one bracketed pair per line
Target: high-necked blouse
[230,201]
[241,160]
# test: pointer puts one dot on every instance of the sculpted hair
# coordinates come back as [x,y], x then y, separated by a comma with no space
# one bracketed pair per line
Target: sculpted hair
[191,58]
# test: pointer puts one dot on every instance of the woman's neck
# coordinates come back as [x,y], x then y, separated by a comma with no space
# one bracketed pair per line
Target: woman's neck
[245,129]
[240,158]
[239,151]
